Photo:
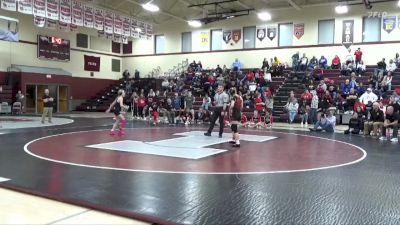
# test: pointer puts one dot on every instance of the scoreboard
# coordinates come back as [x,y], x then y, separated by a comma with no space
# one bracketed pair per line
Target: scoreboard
[53,48]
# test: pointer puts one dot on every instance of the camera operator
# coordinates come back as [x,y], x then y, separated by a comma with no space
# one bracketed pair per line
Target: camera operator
[325,123]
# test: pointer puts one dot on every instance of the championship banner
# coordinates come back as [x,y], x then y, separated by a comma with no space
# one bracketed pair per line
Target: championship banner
[88,16]
[261,33]
[98,19]
[117,24]
[389,23]
[126,26]
[298,30]
[39,21]
[142,31]
[100,34]
[271,32]
[124,39]
[227,36]
[348,33]
[134,28]
[117,38]
[149,31]
[109,36]
[63,26]
[108,22]
[77,13]
[65,11]
[73,27]
[52,7]
[39,8]
[25,6]
[10,5]
[51,24]
[236,35]
[205,38]
[92,63]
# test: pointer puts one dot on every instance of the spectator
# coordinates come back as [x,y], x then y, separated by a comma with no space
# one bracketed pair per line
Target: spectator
[218,70]
[176,104]
[293,108]
[358,55]
[323,62]
[236,65]
[193,65]
[165,85]
[349,59]
[259,104]
[168,111]
[351,100]
[314,107]
[313,63]
[306,97]
[134,105]
[391,67]
[379,72]
[361,68]
[325,103]
[325,123]
[304,111]
[354,125]
[346,87]
[386,84]
[137,75]
[353,81]
[368,96]
[295,61]
[336,62]
[391,121]
[375,120]
[206,102]
[303,63]
[265,65]
[397,60]
[199,66]
[344,69]
[126,75]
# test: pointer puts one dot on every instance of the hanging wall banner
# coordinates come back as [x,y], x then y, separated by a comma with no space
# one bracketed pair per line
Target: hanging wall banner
[100,34]
[92,63]
[117,38]
[88,16]
[77,13]
[63,26]
[389,23]
[52,7]
[134,28]
[25,6]
[205,38]
[348,33]
[261,32]
[98,19]
[271,32]
[65,11]
[39,8]
[108,22]
[298,30]
[236,35]
[142,30]
[10,5]
[39,21]
[126,26]
[117,24]
[109,36]
[73,27]
[124,39]
[51,24]
[227,36]
[149,31]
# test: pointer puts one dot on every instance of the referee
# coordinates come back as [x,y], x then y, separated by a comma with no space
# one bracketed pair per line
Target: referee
[220,101]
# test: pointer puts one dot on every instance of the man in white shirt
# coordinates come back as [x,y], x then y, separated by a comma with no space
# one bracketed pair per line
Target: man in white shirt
[303,63]
[368,96]
[391,67]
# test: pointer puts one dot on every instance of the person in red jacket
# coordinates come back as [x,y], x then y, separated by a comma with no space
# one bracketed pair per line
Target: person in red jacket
[258,103]
[359,104]
[243,120]
[358,55]
[306,97]
[250,76]
[336,62]
[141,104]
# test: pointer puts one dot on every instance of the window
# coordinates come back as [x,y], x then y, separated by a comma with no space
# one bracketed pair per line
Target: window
[216,40]
[82,40]
[326,32]
[115,47]
[371,29]
[286,34]
[249,37]
[100,44]
[187,42]
[160,44]
[127,48]
[115,65]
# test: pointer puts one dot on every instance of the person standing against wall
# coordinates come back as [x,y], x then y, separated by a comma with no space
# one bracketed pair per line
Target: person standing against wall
[220,100]
[48,106]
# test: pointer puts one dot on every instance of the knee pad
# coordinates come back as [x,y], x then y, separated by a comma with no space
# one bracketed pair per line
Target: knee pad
[234,128]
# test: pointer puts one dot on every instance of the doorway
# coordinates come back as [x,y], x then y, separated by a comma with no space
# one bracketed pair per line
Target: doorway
[35,93]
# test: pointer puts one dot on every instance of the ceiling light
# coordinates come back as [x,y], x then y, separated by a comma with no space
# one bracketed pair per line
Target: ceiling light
[341,9]
[264,16]
[150,7]
[194,23]
[398,4]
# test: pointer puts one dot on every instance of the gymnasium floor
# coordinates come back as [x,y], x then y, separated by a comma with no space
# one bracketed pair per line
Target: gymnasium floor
[280,176]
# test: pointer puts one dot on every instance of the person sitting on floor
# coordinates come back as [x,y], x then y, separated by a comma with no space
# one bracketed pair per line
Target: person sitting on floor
[325,123]
[355,124]
[243,120]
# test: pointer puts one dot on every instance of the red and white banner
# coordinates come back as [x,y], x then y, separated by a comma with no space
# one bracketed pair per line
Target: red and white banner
[134,28]
[10,5]
[52,7]
[39,21]
[73,27]
[109,36]
[117,24]
[92,63]
[51,24]
[108,22]
[65,11]
[100,34]
[124,39]
[39,8]
[126,26]
[25,6]
[149,31]
[142,30]
[117,38]
[77,13]
[63,26]
[88,22]
[98,19]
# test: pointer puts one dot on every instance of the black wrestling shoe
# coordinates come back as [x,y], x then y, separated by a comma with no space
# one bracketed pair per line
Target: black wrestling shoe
[232,142]
[207,134]
[236,145]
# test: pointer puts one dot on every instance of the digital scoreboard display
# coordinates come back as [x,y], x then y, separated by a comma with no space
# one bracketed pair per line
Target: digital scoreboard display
[53,48]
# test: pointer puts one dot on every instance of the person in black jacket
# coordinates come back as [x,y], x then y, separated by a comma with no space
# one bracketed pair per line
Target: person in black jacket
[355,124]
[375,120]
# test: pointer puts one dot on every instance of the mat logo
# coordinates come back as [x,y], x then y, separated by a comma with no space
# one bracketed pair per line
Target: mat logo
[191,145]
